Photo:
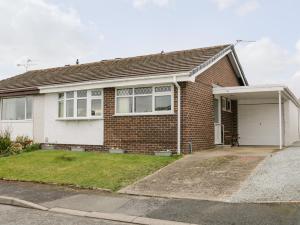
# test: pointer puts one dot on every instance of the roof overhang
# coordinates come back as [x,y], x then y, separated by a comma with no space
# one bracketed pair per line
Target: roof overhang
[256,92]
[149,80]
[19,92]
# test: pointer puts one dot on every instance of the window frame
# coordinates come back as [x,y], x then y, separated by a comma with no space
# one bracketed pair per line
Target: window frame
[25,111]
[153,94]
[227,102]
[88,98]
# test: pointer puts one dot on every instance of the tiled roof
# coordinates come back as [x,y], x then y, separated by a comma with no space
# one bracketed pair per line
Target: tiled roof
[148,65]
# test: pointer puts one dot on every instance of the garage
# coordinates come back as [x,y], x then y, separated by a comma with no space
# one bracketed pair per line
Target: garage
[266,115]
[258,124]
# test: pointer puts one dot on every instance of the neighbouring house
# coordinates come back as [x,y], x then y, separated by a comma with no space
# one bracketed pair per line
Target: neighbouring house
[181,101]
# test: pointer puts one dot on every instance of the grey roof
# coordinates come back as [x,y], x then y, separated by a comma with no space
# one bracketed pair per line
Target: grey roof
[139,66]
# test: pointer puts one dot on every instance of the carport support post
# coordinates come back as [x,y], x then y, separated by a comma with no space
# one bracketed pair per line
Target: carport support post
[280,119]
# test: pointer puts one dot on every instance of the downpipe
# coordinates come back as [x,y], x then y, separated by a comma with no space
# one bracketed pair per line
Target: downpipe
[178,116]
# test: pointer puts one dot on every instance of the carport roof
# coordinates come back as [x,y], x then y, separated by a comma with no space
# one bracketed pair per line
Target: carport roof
[256,92]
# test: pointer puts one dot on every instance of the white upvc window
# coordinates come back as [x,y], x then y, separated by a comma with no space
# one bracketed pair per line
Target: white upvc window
[144,100]
[19,108]
[81,104]
[226,104]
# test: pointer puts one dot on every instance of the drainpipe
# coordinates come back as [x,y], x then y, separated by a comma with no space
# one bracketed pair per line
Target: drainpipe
[178,116]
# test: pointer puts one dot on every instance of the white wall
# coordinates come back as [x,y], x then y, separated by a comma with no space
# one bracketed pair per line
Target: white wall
[85,132]
[291,119]
[17,128]
[38,118]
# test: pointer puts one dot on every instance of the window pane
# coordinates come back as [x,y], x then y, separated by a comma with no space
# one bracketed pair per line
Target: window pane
[228,105]
[29,108]
[81,94]
[163,89]
[81,107]
[96,92]
[124,105]
[124,92]
[143,90]
[96,107]
[13,109]
[163,103]
[70,94]
[61,96]
[61,109]
[143,104]
[70,108]
[20,108]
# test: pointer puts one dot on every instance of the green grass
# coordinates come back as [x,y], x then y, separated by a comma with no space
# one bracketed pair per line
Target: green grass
[83,169]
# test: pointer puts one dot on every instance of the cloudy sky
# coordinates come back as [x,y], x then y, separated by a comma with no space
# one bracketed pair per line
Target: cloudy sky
[57,32]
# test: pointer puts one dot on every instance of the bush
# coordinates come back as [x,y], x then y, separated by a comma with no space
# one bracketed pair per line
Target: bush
[15,148]
[21,144]
[5,142]
[25,141]
[32,147]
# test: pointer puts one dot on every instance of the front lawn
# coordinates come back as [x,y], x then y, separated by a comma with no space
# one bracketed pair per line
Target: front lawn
[84,169]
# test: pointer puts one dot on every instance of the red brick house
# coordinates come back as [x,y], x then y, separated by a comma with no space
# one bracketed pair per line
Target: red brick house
[140,104]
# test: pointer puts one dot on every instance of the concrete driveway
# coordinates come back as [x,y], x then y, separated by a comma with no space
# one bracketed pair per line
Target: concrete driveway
[208,175]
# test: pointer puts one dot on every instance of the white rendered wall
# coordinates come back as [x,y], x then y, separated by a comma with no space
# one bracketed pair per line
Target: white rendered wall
[291,119]
[38,118]
[85,132]
[17,128]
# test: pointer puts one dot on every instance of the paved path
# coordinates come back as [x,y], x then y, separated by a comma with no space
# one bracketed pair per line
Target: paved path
[276,179]
[207,175]
[20,216]
[181,210]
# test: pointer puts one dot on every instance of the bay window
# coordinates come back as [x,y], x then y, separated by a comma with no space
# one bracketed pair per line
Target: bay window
[147,100]
[16,108]
[80,104]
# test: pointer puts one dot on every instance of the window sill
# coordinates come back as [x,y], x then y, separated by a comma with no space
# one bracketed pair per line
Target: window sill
[229,111]
[79,119]
[146,114]
[16,121]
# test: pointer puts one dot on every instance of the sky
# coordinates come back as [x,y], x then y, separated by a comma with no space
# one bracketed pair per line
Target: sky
[57,32]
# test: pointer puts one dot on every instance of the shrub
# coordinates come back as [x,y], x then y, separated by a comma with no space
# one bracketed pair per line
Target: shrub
[25,141]
[15,148]
[32,147]
[5,142]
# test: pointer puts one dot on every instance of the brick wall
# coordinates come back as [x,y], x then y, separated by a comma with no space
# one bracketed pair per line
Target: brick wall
[229,120]
[198,113]
[142,134]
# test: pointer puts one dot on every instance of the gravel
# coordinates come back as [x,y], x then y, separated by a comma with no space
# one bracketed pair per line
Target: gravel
[277,178]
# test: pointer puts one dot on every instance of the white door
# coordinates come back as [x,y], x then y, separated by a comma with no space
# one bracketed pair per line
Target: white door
[217,124]
[258,124]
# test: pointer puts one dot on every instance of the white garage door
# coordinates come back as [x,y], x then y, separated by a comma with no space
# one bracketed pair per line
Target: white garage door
[258,124]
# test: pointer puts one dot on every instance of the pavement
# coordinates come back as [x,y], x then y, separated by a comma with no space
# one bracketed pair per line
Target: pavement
[208,175]
[165,209]
[10,215]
